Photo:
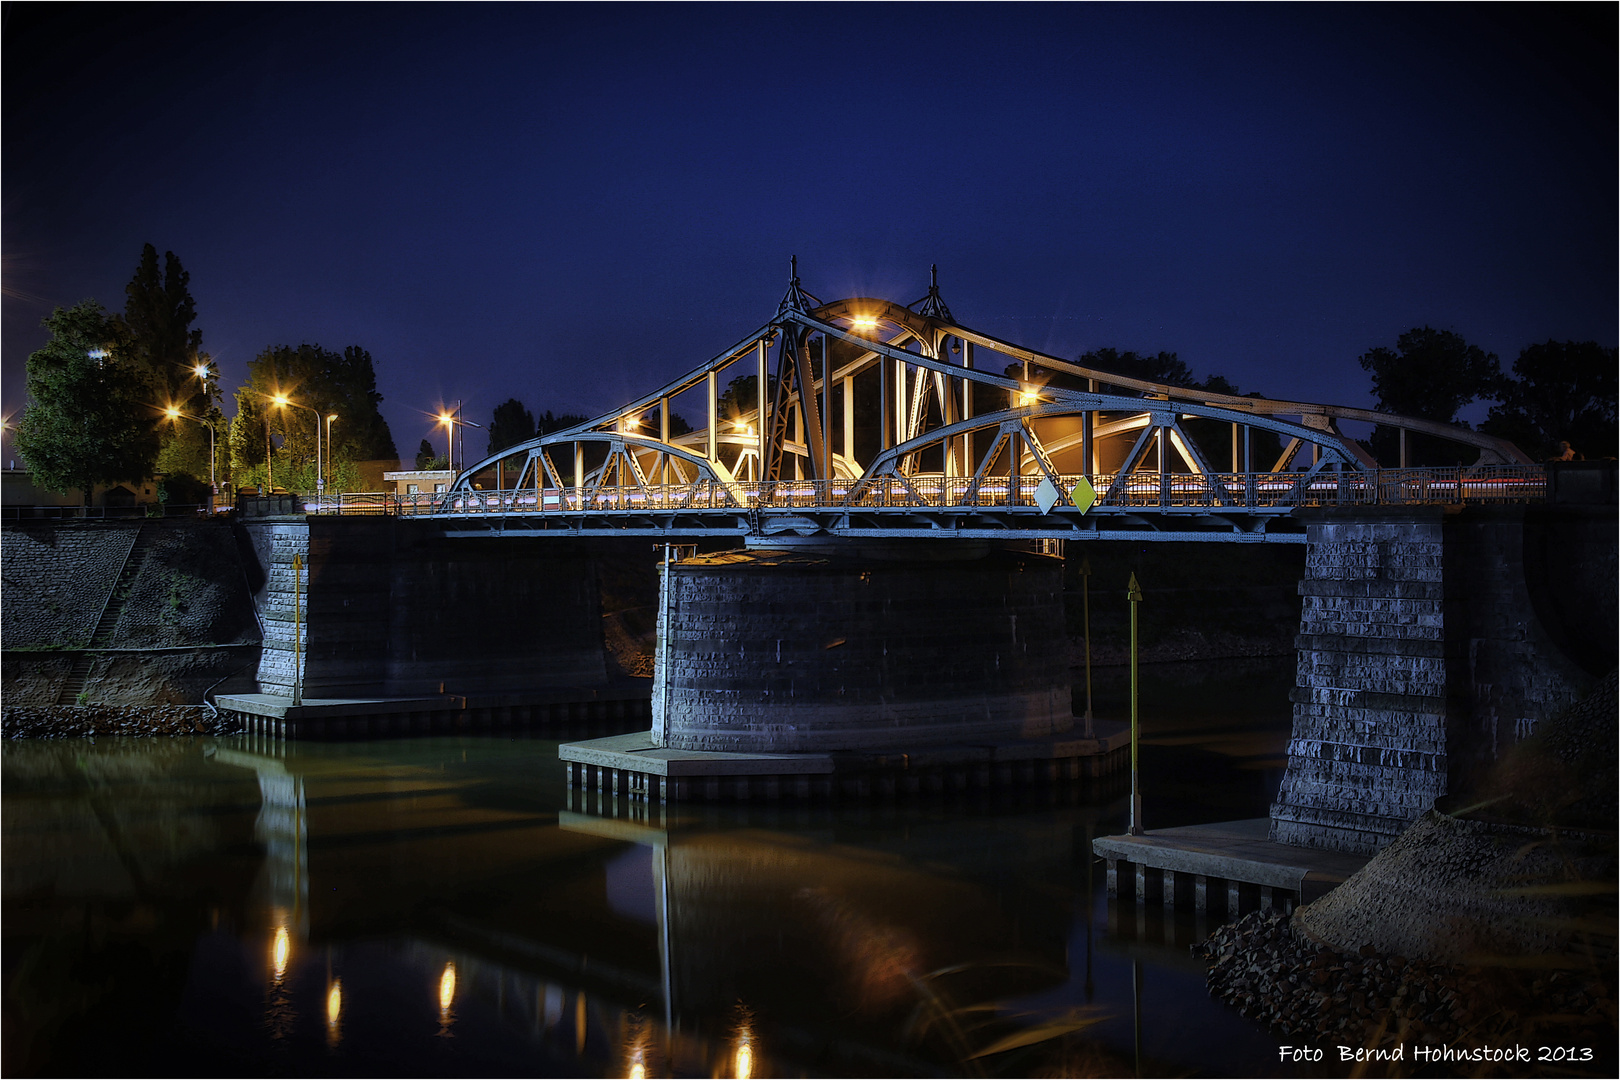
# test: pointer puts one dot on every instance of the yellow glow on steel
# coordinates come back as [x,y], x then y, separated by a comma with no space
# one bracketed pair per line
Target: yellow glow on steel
[447,986]
[863,323]
[334,1003]
[279,951]
[1027,398]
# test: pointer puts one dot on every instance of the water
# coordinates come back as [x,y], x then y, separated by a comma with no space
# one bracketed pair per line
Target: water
[442,907]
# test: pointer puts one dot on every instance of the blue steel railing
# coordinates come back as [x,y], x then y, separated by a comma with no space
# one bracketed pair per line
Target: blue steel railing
[1250,492]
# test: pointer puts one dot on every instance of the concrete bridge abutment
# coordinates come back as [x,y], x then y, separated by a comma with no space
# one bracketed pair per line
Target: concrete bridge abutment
[1431,641]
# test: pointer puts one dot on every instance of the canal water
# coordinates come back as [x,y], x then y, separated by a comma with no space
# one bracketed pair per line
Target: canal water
[445,906]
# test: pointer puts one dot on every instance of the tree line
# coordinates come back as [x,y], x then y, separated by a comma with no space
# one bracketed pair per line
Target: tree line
[121,397]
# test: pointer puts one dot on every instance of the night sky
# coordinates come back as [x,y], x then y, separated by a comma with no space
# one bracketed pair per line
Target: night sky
[572,205]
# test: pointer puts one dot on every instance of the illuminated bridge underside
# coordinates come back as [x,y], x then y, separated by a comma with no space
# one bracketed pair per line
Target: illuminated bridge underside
[883,420]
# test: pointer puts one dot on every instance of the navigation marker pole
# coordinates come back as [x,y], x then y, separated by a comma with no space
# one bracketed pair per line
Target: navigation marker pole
[1085,602]
[1135,596]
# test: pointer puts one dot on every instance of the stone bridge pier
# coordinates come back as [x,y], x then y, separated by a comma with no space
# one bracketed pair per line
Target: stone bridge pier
[1432,640]
[395,608]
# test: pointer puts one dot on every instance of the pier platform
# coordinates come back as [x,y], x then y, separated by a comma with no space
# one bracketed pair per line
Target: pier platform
[435,714]
[1229,867]
[634,766]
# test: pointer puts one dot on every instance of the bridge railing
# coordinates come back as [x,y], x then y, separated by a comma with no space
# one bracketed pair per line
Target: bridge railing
[1261,492]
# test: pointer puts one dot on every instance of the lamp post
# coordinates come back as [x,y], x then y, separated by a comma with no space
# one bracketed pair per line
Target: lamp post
[450,419]
[320,481]
[201,371]
[329,418]
[175,414]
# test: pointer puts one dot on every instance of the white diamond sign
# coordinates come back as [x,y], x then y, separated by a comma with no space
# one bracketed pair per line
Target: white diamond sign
[1047,495]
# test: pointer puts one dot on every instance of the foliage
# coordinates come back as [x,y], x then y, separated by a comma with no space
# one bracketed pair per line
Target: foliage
[426,458]
[1559,391]
[89,420]
[546,424]
[1213,437]
[509,425]
[161,342]
[341,384]
[1160,367]
[1430,374]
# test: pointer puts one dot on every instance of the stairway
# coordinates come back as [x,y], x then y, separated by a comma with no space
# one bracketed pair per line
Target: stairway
[79,674]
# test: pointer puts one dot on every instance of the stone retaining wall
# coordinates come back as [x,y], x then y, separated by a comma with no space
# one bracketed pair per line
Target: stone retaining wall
[89,721]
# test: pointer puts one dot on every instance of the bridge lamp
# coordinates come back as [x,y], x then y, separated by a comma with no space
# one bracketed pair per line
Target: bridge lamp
[863,324]
[1027,397]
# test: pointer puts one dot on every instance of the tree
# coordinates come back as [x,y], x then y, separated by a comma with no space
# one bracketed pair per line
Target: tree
[88,421]
[1559,391]
[546,424]
[161,342]
[426,459]
[509,425]
[1430,374]
[1214,437]
[343,385]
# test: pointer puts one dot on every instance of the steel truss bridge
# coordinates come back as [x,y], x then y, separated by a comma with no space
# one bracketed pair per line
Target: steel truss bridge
[897,421]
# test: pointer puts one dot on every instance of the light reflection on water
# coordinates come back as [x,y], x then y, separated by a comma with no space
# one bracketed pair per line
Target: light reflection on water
[414,887]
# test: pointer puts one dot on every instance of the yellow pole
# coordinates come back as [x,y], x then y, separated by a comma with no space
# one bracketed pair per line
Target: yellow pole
[1135,596]
[1085,601]
[298,644]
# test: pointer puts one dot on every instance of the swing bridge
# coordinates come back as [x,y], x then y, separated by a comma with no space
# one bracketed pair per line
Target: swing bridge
[863,417]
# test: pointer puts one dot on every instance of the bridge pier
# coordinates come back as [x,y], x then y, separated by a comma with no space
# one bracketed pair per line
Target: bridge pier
[887,646]
[1431,641]
[393,608]
[860,669]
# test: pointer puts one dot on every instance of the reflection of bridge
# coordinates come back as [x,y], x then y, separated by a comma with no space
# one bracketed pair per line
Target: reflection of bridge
[879,419]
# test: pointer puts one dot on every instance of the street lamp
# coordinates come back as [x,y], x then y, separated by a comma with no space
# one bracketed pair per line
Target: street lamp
[320,481]
[450,419]
[175,414]
[329,419]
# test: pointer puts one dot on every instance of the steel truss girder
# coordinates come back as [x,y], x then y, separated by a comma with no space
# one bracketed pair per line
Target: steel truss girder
[1162,406]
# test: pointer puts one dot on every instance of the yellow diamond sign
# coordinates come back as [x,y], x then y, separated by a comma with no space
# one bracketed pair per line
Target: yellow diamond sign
[1083,495]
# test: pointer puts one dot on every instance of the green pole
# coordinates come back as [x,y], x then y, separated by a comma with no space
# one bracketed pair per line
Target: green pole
[1135,596]
[1085,601]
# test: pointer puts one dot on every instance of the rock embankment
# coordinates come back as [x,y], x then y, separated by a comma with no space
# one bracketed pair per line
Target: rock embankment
[1302,989]
[89,721]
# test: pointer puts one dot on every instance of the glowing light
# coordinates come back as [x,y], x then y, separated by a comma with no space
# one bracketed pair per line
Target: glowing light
[638,1068]
[745,1059]
[863,323]
[447,987]
[279,952]
[172,413]
[201,370]
[334,1003]
[1027,397]
[332,417]
[281,399]
[446,419]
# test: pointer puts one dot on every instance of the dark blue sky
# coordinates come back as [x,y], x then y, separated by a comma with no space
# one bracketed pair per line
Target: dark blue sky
[571,205]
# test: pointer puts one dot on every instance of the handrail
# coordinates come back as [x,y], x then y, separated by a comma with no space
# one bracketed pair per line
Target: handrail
[1140,491]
